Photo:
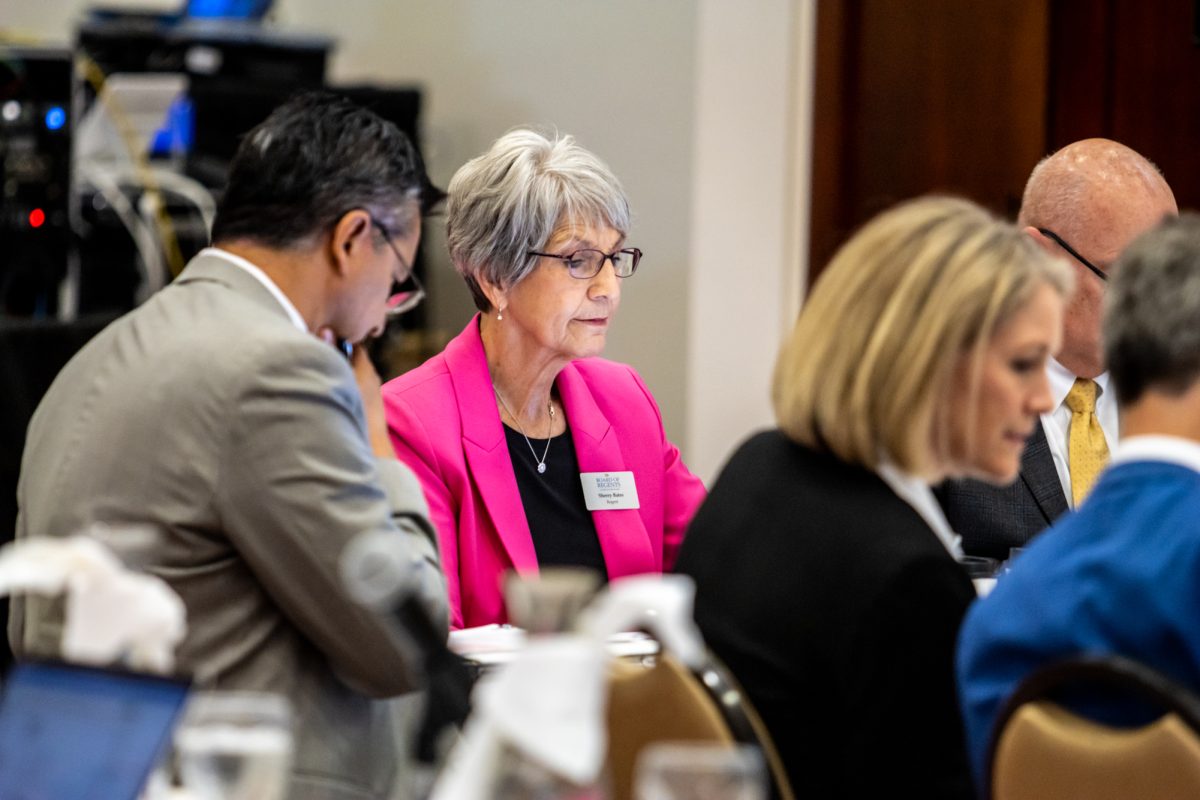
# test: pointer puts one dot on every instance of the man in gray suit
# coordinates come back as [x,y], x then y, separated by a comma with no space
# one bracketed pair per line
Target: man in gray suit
[1085,203]
[220,415]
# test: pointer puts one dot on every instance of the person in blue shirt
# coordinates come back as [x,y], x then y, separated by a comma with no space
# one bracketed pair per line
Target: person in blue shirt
[1119,575]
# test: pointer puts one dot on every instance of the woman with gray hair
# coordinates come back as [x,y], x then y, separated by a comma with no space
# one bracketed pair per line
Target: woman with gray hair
[532,451]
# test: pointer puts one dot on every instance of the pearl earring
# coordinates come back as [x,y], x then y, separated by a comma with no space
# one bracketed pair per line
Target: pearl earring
[500,313]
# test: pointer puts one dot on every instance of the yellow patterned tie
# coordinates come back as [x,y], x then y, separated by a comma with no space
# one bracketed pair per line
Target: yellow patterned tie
[1087,452]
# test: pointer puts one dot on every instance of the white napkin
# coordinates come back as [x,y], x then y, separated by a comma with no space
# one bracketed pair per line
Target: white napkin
[486,639]
[984,586]
[661,603]
[111,612]
[548,703]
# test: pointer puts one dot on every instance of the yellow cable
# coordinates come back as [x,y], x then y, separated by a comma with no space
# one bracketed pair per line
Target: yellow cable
[19,38]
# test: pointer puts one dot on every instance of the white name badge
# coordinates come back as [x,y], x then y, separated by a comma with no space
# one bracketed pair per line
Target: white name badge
[609,491]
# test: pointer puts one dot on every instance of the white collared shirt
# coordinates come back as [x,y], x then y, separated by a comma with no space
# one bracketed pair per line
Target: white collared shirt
[262,278]
[1057,424]
[1169,449]
[917,494]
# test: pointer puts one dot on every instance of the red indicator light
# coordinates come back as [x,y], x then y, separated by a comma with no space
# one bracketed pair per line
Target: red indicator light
[37,218]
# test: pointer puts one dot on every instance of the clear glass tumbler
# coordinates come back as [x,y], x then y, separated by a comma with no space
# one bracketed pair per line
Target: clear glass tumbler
[235,746]
[700,771]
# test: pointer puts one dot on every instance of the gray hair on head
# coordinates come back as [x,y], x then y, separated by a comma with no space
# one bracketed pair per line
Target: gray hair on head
[513,198]
[1152,312]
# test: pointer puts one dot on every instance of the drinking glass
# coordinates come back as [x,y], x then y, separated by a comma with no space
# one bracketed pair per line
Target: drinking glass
[980,567]
[982,572]
[700,771]
[551,601]
[235,746]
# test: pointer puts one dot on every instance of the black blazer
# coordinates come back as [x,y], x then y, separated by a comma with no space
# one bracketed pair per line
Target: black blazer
[991,519]
[837,609]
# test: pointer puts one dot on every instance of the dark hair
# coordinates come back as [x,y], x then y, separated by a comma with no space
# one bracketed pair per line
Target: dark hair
[313,159]
[1152,311]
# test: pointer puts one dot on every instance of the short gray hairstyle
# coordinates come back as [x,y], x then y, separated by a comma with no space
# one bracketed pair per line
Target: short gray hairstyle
[1152,312]
[513,198]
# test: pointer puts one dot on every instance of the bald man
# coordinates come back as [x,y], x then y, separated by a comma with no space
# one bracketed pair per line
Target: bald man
[1085,203]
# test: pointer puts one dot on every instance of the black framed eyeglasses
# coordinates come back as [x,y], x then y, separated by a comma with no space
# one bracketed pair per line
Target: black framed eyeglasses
[408,293]
[1101,274]
[588,262]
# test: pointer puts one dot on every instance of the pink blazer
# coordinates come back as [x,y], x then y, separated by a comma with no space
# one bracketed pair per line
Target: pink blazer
[445,426]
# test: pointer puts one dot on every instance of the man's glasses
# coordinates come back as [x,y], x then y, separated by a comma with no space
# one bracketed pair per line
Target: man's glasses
[407,294]
[587,263]
[1101,274]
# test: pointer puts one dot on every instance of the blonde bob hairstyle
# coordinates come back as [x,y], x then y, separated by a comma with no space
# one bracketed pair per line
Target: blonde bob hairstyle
[866,369]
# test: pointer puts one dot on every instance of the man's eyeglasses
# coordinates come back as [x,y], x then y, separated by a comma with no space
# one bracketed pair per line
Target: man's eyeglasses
[407,294]
[1101,274]
[587,263]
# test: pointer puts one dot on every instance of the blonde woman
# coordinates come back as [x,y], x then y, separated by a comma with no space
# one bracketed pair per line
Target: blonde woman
[826,573]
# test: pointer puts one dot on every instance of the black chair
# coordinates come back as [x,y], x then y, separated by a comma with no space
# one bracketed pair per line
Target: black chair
[1042,750]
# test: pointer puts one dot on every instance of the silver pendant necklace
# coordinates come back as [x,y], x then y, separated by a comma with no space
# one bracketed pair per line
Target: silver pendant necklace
[541,462]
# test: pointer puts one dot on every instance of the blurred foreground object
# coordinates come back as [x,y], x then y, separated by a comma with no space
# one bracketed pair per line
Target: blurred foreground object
[112,614]
[700,771]
[564,719]
[235,746]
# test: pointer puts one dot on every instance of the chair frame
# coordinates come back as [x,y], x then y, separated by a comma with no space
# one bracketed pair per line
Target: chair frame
[1107,670]
[743,721]
[724,711]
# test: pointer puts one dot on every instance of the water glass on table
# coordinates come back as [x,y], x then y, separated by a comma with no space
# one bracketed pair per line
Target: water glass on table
[982,572]
[549,602]
[235,746]
[700,771]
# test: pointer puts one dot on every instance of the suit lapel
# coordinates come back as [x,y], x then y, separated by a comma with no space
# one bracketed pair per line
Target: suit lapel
[1041,478]
[622,533]
[484,447]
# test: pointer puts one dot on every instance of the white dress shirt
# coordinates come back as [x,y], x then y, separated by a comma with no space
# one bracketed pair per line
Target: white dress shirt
[1169,449]
[264,279]
[1057,424]
[917,494]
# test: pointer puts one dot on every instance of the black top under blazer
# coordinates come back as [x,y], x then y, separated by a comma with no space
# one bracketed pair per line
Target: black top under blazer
[837,609]
[993,519]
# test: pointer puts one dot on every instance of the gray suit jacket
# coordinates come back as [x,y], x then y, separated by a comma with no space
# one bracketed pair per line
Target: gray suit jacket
[241,440]
[991,519]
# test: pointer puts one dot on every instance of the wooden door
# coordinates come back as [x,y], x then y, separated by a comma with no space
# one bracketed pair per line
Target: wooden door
[919,96]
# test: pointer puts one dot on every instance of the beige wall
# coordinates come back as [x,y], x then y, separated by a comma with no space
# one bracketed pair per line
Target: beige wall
[643,83]
[749,213]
